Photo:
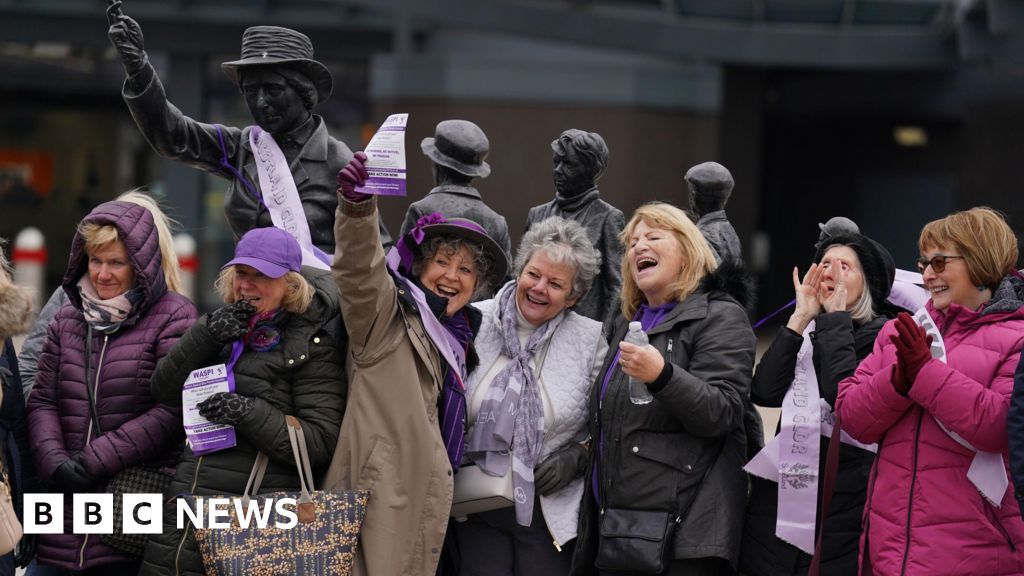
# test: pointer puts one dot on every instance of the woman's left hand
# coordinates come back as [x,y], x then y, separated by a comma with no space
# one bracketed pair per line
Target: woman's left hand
[837,301]
[644,363]
[226,407]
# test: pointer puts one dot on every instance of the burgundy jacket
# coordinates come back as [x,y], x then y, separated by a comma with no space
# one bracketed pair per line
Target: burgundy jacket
[135,429]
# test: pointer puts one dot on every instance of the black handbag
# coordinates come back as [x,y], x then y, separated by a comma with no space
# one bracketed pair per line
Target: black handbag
[131,480]
[641,540]
[635,540]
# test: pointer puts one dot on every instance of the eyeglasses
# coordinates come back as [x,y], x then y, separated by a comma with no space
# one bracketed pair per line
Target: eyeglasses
[938,263]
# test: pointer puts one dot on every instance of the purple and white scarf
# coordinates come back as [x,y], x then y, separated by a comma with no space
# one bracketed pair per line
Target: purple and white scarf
[106,315]
[509,428]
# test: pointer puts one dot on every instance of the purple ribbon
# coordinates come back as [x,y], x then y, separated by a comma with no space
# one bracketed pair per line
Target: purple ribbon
[418,233]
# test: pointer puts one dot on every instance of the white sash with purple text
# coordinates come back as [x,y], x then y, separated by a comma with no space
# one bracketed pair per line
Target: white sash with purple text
[281,197]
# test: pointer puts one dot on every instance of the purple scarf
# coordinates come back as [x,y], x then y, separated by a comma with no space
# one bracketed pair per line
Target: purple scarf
[509,428]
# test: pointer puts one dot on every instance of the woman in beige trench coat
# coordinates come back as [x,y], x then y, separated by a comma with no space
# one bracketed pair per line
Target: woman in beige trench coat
[410,336]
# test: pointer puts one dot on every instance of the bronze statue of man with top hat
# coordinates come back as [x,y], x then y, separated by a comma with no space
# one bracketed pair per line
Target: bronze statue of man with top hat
[281,83]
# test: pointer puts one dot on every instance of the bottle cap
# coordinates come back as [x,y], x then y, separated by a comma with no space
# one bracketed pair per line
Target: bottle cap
[635,326]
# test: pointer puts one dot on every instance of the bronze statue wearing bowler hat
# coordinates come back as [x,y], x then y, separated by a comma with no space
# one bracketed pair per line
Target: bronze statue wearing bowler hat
[710,186]
[457,150]
[281,83]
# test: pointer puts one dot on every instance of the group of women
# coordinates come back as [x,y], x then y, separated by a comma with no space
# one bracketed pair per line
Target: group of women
[438,374]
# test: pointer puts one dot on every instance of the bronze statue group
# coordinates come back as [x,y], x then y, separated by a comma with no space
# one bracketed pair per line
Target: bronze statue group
[495,401]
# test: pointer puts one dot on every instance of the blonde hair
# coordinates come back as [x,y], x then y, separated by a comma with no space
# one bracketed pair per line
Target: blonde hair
[97,236]
[982,237]
[297,297]
[165,236]
[698,258]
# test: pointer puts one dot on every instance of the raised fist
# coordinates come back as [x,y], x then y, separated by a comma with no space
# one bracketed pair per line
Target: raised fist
[353,174]
[126,36]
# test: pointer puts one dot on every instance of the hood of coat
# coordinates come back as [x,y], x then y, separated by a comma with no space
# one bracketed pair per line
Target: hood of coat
[15,309]
[135,227]
[731,278]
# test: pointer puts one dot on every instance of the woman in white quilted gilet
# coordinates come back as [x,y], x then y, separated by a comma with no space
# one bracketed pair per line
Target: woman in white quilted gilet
[527,410]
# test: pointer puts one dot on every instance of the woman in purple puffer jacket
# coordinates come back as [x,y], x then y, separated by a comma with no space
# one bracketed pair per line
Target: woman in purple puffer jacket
[120,310]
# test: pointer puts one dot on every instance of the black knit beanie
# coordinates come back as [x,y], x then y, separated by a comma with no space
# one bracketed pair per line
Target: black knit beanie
[878,265]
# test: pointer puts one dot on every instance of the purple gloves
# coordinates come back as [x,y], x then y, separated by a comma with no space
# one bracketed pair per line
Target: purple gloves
[353,174]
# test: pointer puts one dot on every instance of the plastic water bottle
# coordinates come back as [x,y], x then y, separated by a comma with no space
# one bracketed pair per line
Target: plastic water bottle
[638,392]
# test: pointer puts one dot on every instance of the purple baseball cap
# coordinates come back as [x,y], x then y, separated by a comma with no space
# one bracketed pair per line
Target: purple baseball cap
[272,251]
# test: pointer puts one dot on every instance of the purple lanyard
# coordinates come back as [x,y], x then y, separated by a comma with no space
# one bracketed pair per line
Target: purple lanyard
[236,350]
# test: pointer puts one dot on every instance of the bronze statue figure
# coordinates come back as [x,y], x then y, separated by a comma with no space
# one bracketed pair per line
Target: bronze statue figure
[710,186]
[457,150]
[580,159]
[281,84]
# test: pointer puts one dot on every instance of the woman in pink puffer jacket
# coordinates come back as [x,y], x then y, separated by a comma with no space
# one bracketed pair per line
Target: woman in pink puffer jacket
[923,515]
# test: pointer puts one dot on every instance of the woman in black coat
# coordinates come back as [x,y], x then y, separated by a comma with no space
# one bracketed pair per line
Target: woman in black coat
[679,457]
[844,292]
[280,334]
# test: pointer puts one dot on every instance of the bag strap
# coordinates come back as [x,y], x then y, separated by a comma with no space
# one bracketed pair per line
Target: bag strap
[301,454]
[89,382]
[829,487]
[302,465]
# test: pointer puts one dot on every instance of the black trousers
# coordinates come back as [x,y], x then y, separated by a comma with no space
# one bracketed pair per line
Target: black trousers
[493,544]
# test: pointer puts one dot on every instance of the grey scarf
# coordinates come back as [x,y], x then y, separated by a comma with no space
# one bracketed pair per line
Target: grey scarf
[509,428]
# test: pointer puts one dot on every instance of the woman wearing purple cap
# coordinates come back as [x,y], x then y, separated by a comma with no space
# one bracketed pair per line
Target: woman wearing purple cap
[411,337]
[281,336]
[91,413]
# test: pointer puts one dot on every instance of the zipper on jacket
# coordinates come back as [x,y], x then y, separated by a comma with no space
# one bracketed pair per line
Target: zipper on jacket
[88,433]
[184,535]
[998,523]
[910,498]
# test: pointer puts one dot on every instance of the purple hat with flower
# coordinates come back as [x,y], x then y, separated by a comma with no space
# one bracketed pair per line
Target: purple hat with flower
[272,251]
[435,224]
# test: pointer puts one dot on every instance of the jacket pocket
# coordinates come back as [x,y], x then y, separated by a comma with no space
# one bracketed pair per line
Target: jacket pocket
[377,462]
[996,523]
[656,468]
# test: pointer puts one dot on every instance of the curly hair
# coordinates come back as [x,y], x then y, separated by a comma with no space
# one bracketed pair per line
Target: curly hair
[451,245]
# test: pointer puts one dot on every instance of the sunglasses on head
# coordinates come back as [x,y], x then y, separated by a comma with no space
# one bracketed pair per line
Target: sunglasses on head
[938,263]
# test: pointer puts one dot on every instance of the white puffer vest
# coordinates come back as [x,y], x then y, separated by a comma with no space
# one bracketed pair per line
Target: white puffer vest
[569,359]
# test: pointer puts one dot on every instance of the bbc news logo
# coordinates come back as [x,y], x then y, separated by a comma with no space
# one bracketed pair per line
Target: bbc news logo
[144,513]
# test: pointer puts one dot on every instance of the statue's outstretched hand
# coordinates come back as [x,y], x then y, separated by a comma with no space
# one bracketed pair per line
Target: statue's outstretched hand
[126,36]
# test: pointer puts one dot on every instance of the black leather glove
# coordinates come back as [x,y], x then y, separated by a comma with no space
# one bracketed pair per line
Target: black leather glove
[230,322]
[226,407]
[560,468]
[126,36]
[25,551]
[71,476]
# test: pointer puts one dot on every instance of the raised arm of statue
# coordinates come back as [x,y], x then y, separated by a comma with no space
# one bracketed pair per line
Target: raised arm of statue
[126,36]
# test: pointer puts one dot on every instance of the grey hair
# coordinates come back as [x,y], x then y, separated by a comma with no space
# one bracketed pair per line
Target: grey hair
[864,310]
[451,244]
[565,242]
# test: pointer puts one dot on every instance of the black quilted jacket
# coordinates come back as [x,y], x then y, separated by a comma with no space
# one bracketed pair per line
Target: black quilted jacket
[303,377]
